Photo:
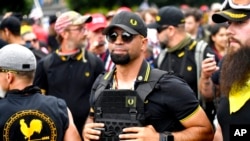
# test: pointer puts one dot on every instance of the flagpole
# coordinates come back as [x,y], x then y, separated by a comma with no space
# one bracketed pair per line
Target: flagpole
[38,6]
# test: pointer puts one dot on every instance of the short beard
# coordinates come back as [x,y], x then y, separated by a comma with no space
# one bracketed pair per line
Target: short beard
[120,59]
[235,69]
[163,45]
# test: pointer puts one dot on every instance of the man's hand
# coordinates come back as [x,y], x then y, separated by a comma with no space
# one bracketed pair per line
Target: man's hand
[92,131]
[147,133]
[208,67]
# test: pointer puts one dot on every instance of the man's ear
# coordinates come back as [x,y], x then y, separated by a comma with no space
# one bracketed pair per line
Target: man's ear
[10,77]
[6,32]
[145,43]
[64,34]
[172,30]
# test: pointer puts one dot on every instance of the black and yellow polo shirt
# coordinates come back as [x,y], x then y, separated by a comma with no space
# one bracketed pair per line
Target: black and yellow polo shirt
[182,63]
[69,78]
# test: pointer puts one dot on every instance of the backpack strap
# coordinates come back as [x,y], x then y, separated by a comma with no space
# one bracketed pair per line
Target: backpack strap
[161,57]
[144,89]
[199,54]
[199,57]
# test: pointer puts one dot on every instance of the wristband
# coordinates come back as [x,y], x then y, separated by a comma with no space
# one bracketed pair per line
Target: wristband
[166,136]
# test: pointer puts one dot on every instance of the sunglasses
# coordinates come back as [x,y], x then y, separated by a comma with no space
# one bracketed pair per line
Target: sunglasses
[29,41]
[126,37]
[237,4]
[160,29]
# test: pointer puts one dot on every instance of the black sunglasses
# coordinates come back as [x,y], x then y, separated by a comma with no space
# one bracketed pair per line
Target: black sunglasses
[160,29]
[29,41]
[126,37]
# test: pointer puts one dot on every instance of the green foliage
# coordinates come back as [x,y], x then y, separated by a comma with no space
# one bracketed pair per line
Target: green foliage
[192,3]
[20,6]
[103,6]
[87,6]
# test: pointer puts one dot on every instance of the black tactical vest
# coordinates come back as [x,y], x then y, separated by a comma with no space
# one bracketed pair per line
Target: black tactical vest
[118,109]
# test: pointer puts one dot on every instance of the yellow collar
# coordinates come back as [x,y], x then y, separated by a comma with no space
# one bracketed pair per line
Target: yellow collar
[238,97]
[78,55]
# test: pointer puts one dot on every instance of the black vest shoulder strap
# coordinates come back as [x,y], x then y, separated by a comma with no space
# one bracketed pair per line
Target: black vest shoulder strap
[104,80]
[145,88]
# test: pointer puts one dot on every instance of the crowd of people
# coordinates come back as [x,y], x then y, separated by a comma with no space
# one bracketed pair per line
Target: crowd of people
[157,74]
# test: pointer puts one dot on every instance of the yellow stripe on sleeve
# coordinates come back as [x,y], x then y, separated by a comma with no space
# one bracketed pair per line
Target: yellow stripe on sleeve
[190,115]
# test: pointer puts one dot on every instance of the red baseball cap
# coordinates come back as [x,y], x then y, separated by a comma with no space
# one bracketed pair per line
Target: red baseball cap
[123,8]
[98,21]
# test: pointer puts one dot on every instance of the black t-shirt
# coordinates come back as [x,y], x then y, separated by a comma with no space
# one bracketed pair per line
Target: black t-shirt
[227,120]
[71,79]
[182,63]
[167,106]
[172,103]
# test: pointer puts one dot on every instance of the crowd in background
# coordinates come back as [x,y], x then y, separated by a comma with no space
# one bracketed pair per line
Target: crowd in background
[198,24]
[43,42]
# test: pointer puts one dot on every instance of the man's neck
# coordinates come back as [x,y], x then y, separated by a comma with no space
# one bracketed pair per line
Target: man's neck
[194,33]
[19,84]
[130,71]
[176,40]
[68,49]
[193,36]
[16,40]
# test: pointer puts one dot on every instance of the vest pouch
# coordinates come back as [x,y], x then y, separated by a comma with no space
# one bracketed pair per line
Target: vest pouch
[118,109]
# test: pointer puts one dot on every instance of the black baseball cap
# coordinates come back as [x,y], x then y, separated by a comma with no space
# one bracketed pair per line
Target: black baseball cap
[168,15]
[129,22]
[233,15]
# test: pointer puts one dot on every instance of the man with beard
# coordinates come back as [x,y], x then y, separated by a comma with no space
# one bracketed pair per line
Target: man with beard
[234,72]
[170,110]
[69,72]
[180,53]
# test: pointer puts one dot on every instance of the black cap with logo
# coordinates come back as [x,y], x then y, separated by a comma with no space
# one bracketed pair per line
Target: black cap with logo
[234,15]
[129,22]
[168,15]
[233,11]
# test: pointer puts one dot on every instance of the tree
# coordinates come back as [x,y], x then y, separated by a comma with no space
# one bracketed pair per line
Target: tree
[192,3]
[19,6]
[84,6]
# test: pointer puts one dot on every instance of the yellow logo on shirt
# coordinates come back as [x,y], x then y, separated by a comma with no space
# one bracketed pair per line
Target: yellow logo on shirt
[87,74]
[189,68]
